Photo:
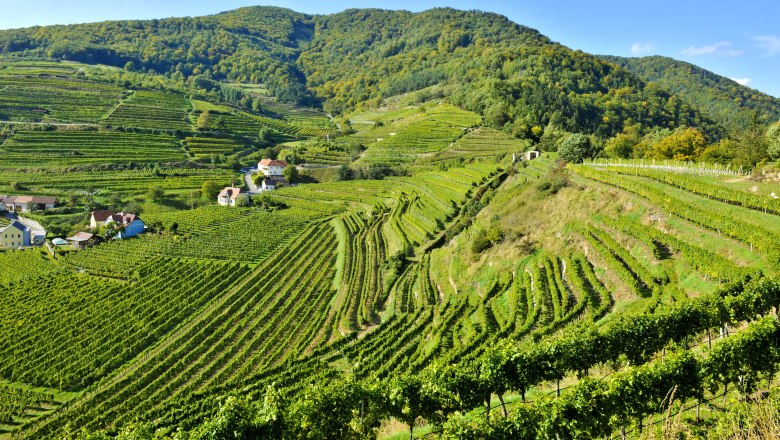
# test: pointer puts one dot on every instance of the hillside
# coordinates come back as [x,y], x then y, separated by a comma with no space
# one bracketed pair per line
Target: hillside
[721,98]
[513,76]
[418,275]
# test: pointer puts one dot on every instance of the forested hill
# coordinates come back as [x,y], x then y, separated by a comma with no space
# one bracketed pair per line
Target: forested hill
[721,98]
[512,75]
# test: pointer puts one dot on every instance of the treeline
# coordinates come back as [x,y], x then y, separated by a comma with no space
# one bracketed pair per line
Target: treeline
[251,45]
[442,393]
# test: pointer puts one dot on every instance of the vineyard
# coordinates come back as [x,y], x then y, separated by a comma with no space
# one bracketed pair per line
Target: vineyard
[151,110]
[456,295]
[422,134]
[30,96]
[206,146]
[127,181]
[482,143]
[375,279]
[59,149]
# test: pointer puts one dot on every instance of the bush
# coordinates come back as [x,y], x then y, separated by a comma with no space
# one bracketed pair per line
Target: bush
[486,238]
[575,148]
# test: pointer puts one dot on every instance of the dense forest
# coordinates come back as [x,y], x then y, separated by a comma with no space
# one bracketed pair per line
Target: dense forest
[721,98]
[513,76]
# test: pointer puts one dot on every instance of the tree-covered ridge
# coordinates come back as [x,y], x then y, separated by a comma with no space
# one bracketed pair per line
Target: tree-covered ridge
[249,45]
[513,76]
[721,98]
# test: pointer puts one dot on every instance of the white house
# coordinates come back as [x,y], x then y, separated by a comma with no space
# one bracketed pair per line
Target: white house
[99,218]
[28,203]
[271,167]
[228,196]
[129,225]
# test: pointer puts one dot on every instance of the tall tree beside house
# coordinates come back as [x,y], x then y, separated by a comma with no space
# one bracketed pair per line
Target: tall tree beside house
[210,189]
[291,174]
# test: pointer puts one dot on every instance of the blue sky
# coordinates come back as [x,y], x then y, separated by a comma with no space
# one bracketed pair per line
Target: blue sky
[740,40]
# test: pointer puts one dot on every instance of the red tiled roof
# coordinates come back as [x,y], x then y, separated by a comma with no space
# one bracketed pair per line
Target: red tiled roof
[273,163]
[230,192]
[23,200]
[102,215]
[123,218]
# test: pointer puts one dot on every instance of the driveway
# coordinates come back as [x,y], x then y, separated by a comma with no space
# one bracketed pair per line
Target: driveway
[250,183]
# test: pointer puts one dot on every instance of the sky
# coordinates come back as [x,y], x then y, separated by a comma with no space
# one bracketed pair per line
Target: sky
[739,40]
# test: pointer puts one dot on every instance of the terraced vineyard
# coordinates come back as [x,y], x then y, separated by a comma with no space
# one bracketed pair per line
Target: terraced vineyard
[58,149]
[30,96]
[482,143]
[207,146]
[102,322]
[126,181]
[323,296]
[16,266]
[424,134]
[159,111]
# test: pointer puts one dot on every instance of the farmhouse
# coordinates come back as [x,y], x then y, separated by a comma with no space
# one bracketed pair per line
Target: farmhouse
[271,167]
[28,203]
[228,196]
[128,225]
[17,235]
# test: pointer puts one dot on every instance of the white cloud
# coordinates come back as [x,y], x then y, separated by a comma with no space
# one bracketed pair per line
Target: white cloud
[770,44]
[638,48]
[722,48]
[741,81]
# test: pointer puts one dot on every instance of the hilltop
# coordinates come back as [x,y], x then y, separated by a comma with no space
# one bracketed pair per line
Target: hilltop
[512,75]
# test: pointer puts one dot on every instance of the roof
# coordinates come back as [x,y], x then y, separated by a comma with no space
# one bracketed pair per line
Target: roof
[16,224]
[102,215]
[23,200]
[44,200]
[273,180]
[81,236]
[273,163]
[122,218]
[59,242]
[230,192]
